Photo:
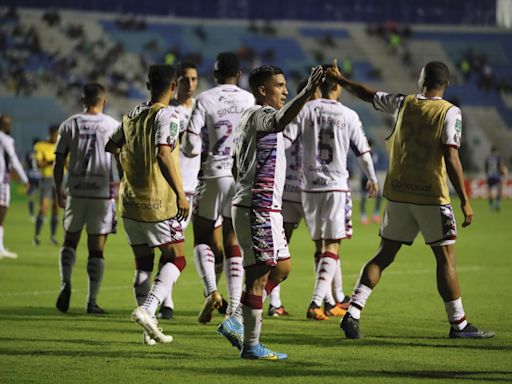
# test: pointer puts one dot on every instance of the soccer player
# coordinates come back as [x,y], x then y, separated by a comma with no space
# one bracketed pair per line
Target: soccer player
[183,103]
[260,174]
[88,201]
[378,198]
[423,149]
[328,130]
[34,177]
[147,145]
[494,170]
[292,206]
[8,160]
[210,133]
[44,152]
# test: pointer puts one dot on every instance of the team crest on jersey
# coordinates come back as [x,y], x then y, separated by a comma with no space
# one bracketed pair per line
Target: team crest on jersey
[174,129]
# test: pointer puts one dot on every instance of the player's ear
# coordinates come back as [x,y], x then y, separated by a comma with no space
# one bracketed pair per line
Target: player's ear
[148,86]
[173,85]
[262,90]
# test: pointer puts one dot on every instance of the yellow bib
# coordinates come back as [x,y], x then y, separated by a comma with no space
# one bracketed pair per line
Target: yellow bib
[144,193]
[417,172]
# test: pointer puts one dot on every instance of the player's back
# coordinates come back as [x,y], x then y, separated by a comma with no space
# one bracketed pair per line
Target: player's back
[329,129]
[215,117]
[90,166]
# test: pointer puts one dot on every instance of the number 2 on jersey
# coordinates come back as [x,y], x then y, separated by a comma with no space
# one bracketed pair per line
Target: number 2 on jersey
[227,127]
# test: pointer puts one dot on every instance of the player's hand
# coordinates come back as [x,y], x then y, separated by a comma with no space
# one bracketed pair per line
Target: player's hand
[61,198]
[26,188]
[333,73]
[467,210]
[372,188]
[183,207]
[315,78]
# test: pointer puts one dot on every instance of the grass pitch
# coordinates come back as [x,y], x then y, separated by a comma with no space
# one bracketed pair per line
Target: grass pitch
[404,322]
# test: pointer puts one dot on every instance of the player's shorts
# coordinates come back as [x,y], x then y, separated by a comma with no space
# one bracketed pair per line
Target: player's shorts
[46,188]
[5,195]
[292,212]
[33,184]
[98,215]
[493,182]
[328,215]
[403,221]
[153,234]
[213,198]
[261,236]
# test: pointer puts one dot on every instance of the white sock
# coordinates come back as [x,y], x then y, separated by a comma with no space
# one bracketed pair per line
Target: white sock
[456,315]
[275,297]
[358,300]
[324,276]
[337,284]
[168,301]
[234,278]
[167,276]
[67,257]
[253,318]
[205,264]
[141,286]
[1,238]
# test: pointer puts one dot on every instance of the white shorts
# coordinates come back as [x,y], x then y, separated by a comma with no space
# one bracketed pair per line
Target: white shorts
[403,221]
[261,236]
[292,212]
[153,234]
[98,215]
[5,195]
[213,198]
[328,214]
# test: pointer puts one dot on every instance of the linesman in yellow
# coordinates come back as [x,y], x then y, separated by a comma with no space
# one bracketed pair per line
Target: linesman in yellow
[152,200]
[44,153]
[423,150]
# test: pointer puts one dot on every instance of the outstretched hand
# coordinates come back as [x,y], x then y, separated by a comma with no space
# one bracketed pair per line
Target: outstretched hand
[333,73]
[315,78]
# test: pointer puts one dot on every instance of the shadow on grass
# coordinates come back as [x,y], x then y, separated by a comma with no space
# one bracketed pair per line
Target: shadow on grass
[291,369]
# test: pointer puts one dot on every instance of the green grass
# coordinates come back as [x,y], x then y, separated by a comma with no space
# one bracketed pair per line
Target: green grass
[404,323]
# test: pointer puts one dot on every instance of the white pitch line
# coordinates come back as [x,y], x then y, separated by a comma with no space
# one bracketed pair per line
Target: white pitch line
[127,287]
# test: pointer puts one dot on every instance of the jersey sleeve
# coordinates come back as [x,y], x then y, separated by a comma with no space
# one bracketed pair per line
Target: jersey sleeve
[387,102]
[118,136]
[452,129]
[358,141]
[167,128]
[63,141]
[291,133]
[265,119]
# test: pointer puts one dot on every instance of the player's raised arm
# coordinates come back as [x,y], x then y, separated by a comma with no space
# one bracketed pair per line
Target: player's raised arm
[359,90]
[290,110]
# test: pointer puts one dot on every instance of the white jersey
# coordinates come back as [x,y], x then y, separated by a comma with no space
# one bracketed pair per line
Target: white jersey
[84,137]
[212,125]
[9,160]
[189,165]
[260,160]
[452,129]
[293,151]
[328,130]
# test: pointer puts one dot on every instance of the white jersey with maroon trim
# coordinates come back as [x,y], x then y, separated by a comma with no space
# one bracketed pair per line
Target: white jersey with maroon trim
[212,125]
[84,137]
[328,130]
[9,160]
[293,151]
[189,165]
[260,160]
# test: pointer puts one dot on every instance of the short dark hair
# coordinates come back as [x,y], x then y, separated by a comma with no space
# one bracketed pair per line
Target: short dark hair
[437,75]
[53,128]
[92,93]
[183,66]
[260,75]
[160,78]
[227,64]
